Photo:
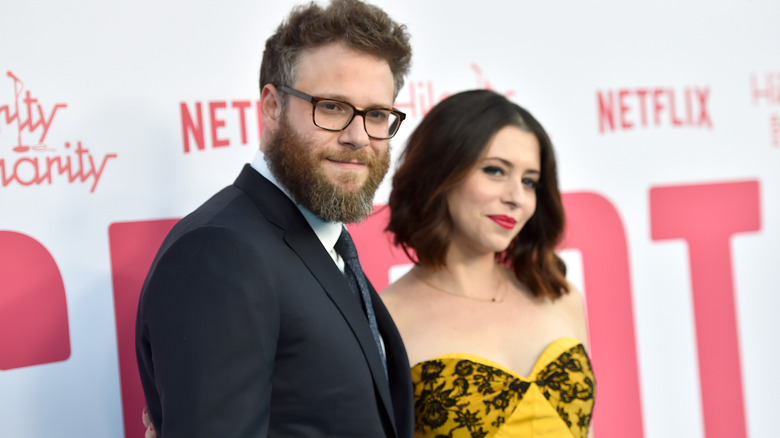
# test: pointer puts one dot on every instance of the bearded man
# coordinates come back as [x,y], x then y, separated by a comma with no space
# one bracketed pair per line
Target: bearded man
[250,323]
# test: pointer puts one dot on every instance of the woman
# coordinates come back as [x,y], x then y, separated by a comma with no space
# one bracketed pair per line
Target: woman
[495,333]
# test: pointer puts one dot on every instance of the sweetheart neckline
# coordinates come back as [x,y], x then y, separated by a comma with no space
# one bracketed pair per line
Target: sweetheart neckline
[564,343]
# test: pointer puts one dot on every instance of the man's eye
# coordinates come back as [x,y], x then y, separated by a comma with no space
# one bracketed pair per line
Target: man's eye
[377,115]
[330,106]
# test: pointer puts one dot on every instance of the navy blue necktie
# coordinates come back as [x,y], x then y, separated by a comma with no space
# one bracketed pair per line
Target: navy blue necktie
[359,284]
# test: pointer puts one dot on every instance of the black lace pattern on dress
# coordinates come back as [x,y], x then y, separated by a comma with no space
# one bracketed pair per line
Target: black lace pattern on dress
[444,402]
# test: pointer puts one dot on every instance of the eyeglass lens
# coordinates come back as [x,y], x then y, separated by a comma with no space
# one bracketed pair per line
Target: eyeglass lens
[335,115]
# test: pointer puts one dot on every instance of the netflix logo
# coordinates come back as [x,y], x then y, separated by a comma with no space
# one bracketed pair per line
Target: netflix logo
[648,108]
[217,113]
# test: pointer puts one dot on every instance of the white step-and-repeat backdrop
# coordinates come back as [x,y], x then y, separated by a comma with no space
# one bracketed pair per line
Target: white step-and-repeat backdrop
[117,118]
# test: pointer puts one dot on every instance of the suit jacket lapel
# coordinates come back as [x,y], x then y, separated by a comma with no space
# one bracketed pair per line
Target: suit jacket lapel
[281,211]
[335,285]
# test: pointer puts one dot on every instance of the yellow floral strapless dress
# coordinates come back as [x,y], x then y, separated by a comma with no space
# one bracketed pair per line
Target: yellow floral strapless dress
[462,395]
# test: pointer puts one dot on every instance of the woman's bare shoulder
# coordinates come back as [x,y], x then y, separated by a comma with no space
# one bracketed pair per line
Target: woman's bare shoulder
[402,297]
[399,290]
[573,305]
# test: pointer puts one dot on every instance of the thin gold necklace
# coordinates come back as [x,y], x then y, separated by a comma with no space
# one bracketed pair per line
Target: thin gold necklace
[484,300]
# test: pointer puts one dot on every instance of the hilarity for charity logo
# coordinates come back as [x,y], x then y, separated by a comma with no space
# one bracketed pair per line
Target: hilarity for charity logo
[33,161]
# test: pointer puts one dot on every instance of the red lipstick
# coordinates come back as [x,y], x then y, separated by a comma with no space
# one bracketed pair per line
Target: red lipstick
[504,221]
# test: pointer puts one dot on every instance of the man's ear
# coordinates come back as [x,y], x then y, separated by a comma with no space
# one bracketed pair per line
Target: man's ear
[270,107]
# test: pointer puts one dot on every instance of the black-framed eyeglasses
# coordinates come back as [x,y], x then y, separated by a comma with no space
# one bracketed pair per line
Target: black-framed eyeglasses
[335,115]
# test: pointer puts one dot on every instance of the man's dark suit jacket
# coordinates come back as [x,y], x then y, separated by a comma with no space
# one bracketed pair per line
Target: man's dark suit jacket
[247,328]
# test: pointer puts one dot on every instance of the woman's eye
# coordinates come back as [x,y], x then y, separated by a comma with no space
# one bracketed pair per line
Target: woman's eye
[530,183]
[493,170]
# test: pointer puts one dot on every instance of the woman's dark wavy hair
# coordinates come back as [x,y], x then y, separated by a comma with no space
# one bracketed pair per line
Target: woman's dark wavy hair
[439,154]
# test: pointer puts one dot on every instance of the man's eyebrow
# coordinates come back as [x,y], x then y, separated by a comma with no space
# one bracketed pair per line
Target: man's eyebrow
[344,99]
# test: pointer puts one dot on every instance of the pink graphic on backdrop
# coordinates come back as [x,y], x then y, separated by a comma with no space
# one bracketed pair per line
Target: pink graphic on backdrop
[706,217]
[595,229]
[28,116]
[133,246]
[33,308]
[31,116]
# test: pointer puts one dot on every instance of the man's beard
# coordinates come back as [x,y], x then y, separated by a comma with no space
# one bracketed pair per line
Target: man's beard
[297,167]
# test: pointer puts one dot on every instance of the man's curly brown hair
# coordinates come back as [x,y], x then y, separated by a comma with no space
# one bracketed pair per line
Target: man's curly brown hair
[357,25]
